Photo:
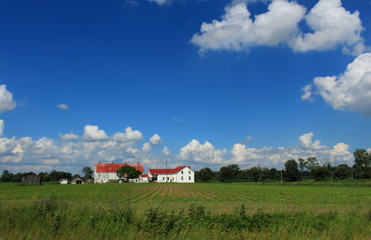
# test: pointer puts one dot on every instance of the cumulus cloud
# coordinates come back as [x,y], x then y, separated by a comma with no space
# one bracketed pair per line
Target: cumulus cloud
[45,154]
[349,91]
[93,133]
[73,151]
[331,25]
[268,156]
[307,142]
[1,127]
[166,151]
[155,140]
[63,106]
[128,135]
[68,136]
[307,93]
[205,153]
[6,100]
[146,147]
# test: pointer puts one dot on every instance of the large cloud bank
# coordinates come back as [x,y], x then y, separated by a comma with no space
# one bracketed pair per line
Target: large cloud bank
[72,152]
[330,24]
[349,91]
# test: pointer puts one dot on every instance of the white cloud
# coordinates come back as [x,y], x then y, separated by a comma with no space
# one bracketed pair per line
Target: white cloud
[2,125]
[307,142]
[205,153]
[351,90]
[307,93]
[46,154]
[63,106]
[146,147]
[160,2]
[68,136]
[332,26]
[155,140]
[268,156]
[129,135]
[93,133]
[6,100]
[166,151]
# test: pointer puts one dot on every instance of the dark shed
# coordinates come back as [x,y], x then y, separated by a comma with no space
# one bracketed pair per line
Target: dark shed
[31,178]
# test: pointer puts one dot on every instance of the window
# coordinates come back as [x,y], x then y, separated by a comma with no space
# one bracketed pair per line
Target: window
[163,178]
[182,172]
[189,177]
[189,172]
[182,177]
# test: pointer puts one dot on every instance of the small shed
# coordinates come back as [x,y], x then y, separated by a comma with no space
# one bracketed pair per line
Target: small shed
[77,180]
[31,178]
[63,181]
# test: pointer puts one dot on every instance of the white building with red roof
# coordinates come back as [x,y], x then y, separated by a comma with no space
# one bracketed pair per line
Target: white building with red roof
[106,172]
[183,174]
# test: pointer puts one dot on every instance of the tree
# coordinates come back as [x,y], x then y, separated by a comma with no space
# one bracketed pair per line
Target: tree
[88,172]
[362,162]
[128,172]
[6,176]
[45,176]
[302,164]
[321,173]
[292,170]
[230,172]
[311,163]
[56,175]
[343,171]
[254,174]
[205,174]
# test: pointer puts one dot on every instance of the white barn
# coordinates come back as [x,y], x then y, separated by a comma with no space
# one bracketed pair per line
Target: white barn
[183,174]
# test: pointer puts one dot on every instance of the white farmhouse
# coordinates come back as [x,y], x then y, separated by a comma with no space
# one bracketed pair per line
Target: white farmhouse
[63,181]
[183,174]
[105,172]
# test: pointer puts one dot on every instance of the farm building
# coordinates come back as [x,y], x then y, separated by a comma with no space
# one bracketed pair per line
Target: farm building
[143,178]
[183,174]
[105,172]
[63,181]
[31,178]
[77,180]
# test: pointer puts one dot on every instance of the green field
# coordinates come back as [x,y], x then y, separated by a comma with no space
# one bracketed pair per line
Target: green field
[186,211]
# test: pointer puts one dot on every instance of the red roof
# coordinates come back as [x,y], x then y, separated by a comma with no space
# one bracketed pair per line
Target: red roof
[144,175]
[112,167]
[167,171]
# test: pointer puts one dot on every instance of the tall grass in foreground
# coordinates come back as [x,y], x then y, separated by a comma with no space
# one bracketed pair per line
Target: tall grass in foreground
[56,219]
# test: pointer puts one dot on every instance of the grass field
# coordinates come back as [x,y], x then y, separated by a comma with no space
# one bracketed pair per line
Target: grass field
[231,210]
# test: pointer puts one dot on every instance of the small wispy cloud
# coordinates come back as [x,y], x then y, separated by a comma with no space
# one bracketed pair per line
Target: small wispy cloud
[178,119]
[247,139]
[63,106]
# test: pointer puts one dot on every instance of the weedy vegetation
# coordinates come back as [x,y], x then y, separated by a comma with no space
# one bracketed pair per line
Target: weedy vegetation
[185,211]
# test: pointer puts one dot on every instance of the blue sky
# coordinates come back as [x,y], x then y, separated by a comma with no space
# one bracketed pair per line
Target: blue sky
[203,83]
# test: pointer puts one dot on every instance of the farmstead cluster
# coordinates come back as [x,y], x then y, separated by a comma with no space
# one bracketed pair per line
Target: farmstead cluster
[107,172]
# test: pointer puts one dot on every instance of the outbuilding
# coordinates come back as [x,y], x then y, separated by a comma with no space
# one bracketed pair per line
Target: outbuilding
[77,180]
[31,178]
[63,181]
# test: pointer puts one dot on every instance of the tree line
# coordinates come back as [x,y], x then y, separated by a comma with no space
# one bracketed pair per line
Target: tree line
[53,176]
[294,170]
